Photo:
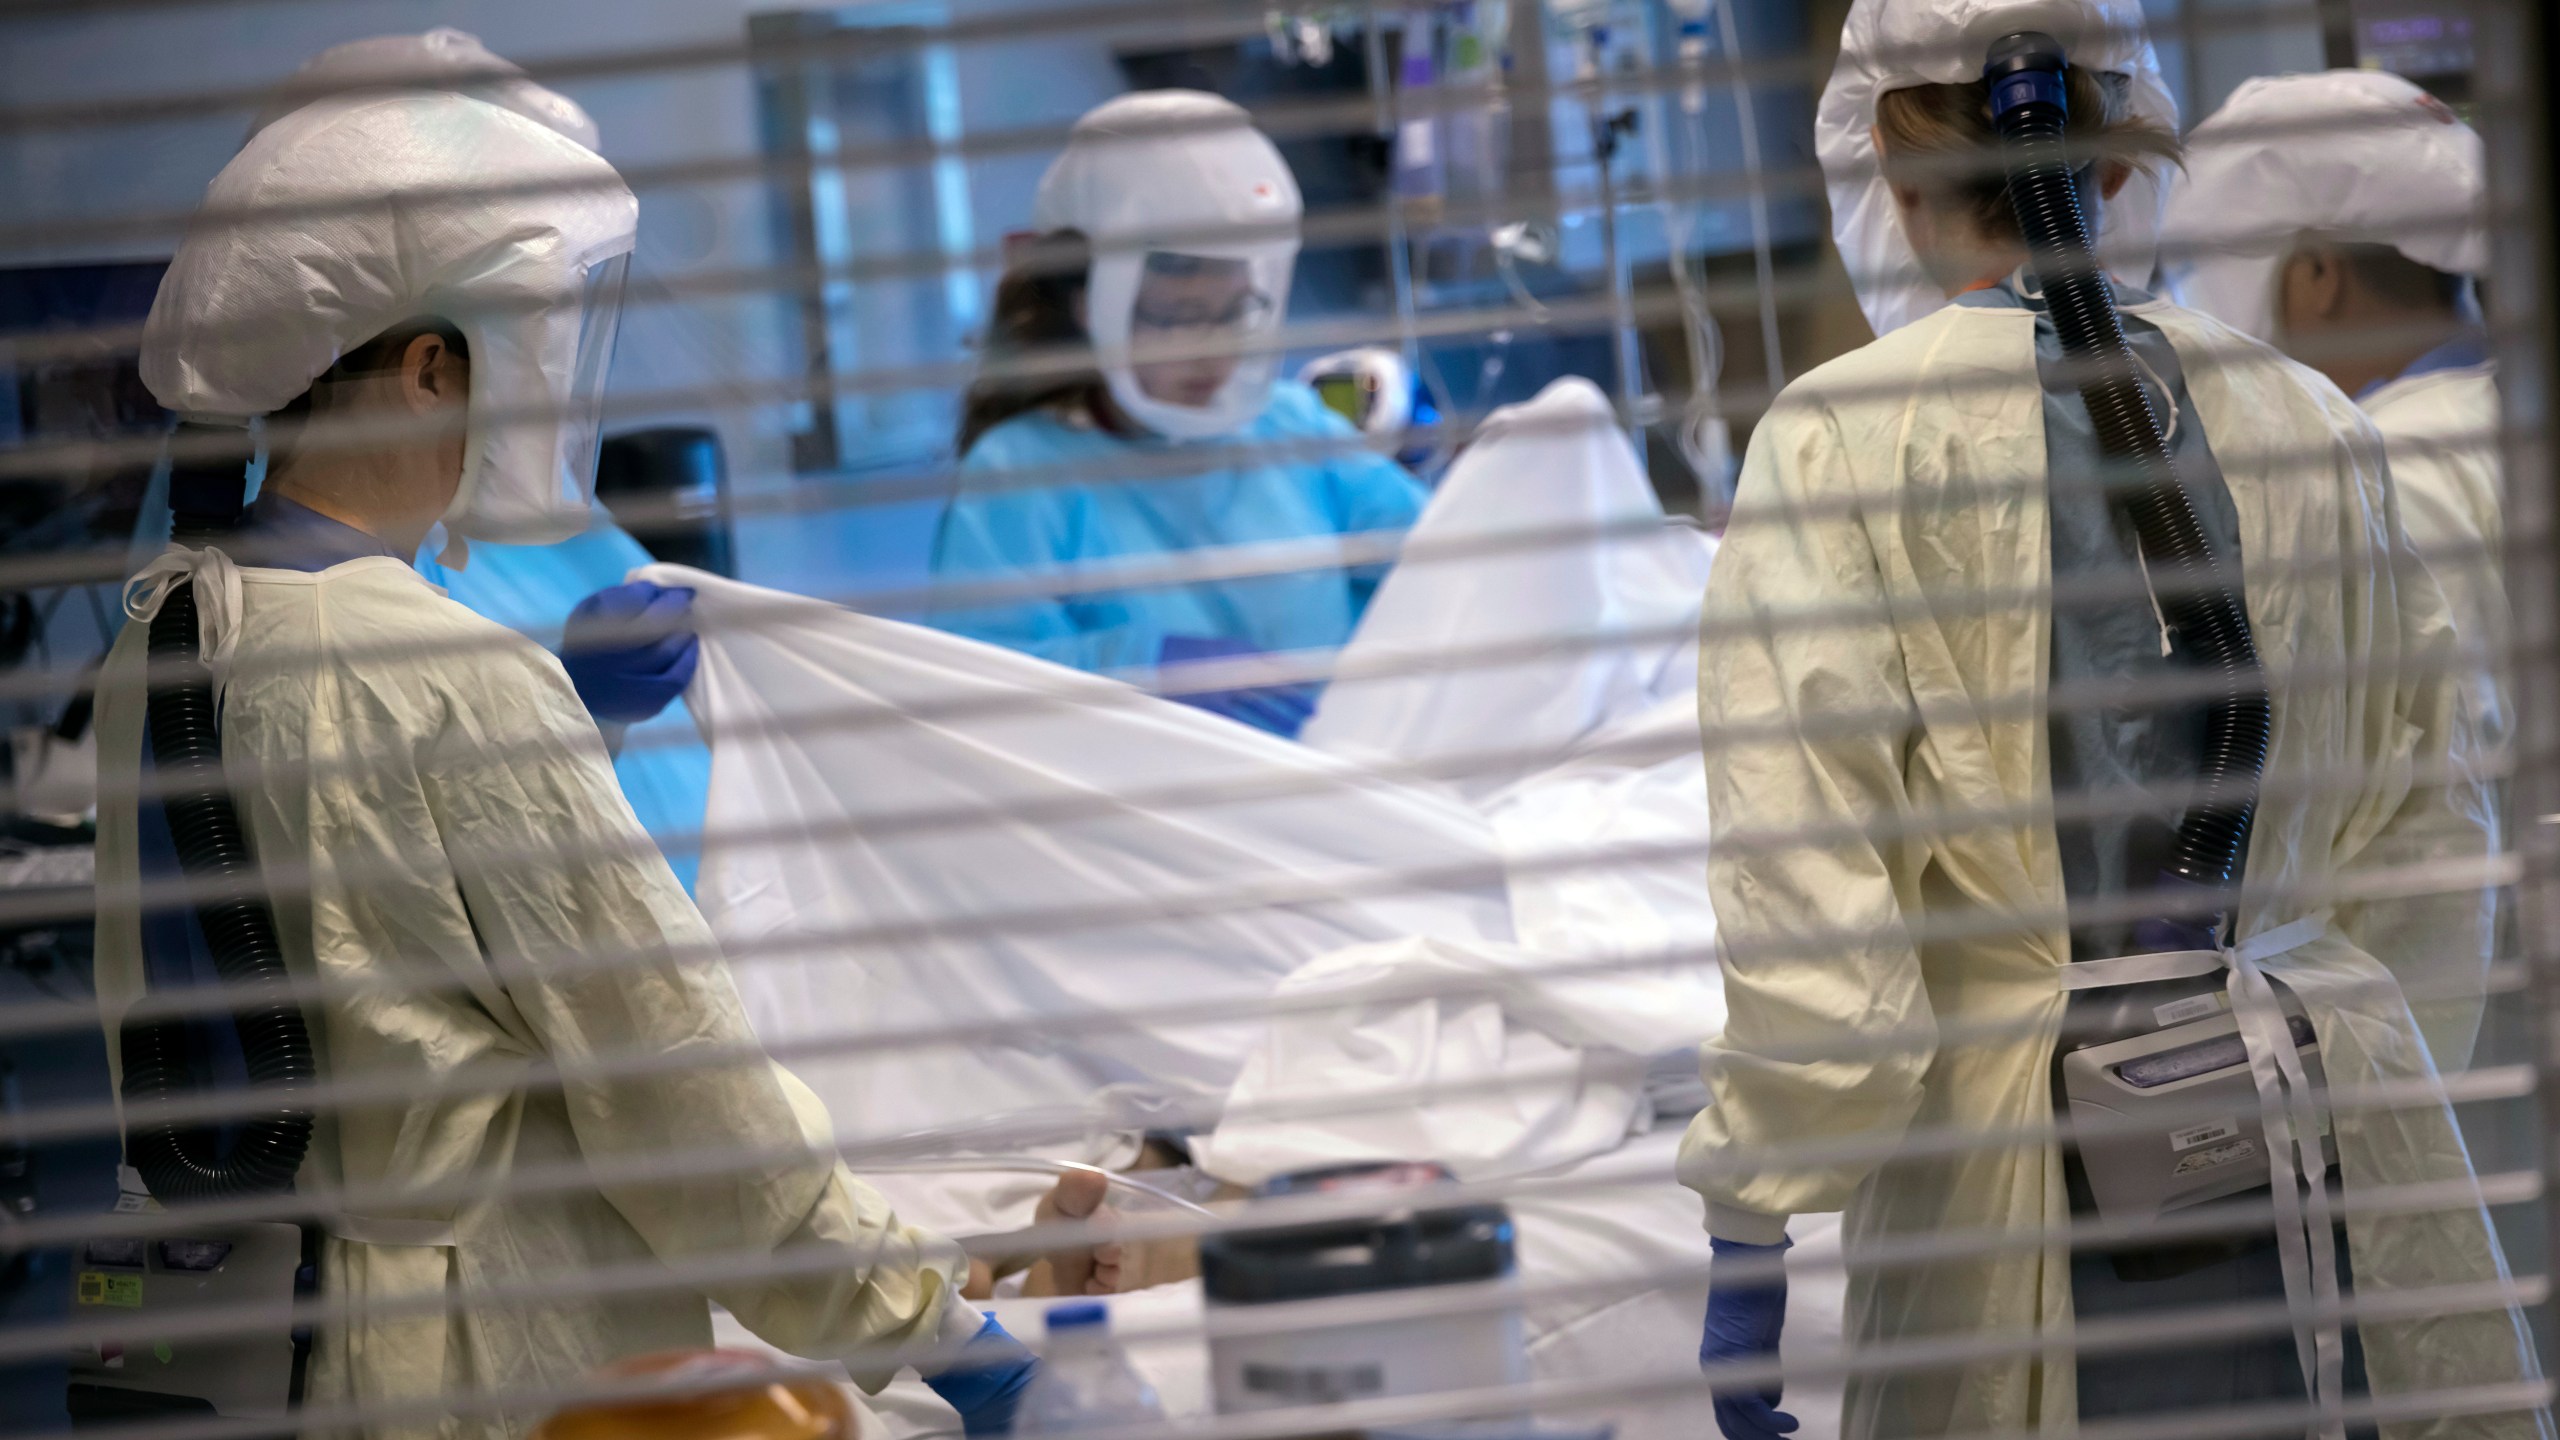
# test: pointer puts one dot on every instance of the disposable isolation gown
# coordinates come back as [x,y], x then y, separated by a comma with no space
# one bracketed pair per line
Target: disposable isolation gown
[1040,495]
[1874,658]
[664,769]
[2440,427]
[2439,424]
[474,869]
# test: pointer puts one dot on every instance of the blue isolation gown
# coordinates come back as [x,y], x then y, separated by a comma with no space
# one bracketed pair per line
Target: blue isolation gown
[663,765]
[1012,516]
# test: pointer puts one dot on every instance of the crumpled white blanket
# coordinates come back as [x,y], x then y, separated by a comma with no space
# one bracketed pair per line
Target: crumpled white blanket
[1542,596]
[914,834]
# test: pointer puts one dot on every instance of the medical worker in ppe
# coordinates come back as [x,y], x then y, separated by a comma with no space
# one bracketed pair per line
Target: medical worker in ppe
[418,291]
[1927,629]
[1159,282]
[2341,216]
[627,647]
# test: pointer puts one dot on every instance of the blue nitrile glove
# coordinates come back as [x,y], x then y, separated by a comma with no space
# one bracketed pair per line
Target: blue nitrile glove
[1281,709]
[1743,1322]
[986,1382]
[2197,929]
[631,650]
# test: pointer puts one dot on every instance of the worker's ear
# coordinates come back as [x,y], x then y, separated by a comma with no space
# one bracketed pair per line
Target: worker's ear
[432,375]
[2112,178]
[2311,287]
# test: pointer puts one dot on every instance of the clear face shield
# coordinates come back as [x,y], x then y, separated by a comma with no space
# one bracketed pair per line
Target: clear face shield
[582,416]
[538,370]
[1190,338]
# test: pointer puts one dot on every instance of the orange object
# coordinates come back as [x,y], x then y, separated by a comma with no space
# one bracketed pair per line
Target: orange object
[712,1395]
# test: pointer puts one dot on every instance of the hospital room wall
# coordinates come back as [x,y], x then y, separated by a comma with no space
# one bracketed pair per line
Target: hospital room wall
[682,352]
[674,356]
[2209,47]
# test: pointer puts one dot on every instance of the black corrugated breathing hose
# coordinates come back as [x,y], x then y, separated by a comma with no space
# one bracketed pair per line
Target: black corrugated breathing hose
[261,1154]
[2199,592]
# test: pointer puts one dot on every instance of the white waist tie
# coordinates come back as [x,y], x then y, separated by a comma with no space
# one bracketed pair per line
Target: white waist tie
[2297,1165]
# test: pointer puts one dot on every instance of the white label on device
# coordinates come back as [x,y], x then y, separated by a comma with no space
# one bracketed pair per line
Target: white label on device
[2204,1134]
[2194,1007]
[1316,1384]
[2220,1155]
[1417,142]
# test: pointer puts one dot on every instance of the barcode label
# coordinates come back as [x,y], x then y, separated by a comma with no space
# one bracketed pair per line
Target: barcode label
[2204,1134]
[1316,1384]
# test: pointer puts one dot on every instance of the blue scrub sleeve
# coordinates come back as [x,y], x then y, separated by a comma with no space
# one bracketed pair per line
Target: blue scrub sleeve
[1372,492]
[999,537]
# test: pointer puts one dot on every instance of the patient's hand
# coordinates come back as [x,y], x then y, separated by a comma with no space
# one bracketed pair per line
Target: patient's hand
[1094,1270]
[1110,1268]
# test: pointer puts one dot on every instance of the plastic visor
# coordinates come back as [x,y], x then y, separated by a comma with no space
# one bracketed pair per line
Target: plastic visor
[1369,386]
[538,363]
[582,415]
[1164,328]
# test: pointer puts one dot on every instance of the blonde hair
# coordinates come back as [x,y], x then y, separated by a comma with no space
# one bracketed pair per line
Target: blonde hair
[1938,139]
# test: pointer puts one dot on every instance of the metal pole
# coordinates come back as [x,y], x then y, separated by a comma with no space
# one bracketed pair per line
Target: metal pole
[2338,34]
[1606,130]
[1530,173]
[2519,52]
[1382,92]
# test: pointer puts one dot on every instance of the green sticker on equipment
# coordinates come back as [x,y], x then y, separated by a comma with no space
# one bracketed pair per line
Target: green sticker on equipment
[160,1351]
[99,1288]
